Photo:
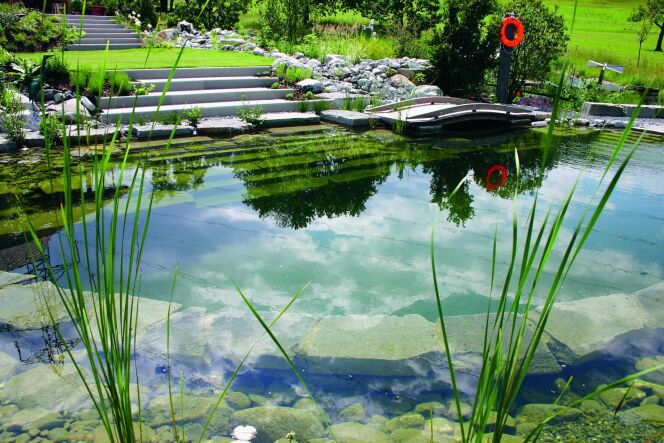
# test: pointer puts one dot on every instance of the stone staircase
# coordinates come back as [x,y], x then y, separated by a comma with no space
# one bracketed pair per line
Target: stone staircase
[99,30]
[217,91]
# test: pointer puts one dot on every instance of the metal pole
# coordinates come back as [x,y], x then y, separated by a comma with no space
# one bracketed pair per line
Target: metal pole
[502,89]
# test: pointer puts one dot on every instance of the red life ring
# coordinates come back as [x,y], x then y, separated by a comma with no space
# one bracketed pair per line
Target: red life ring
[503,177]
[517,32]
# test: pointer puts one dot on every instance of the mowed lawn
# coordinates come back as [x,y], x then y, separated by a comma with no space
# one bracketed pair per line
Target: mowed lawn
[602,33]
[156,58]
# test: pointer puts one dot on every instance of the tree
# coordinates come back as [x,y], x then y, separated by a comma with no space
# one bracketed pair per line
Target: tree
[652,12]
[464,49]
[544,41]
[413,16]
[286,19]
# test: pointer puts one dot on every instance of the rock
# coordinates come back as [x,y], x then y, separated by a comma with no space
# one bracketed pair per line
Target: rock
[185,26]
[356,344]
[409,436]
[309,405]
[58,98]
[196,408]
[399,81]
[651,414]
[167,34]
[539,124]
[310,84]
[354,412]
[616,124]
[651,299]
[452,412]
[441,427]
[579,330]
[88,104]
[534,413]
[237,400]
[428,91]
[222,126]
[27,306]
[650,362]
[280,119]
[42,387]
[160,131]
[351,432]
[613,397]
[593,407]
[601,109]
[274,422]
[405,421]
[650,400]
[432,407]
[67,109]
[8,364]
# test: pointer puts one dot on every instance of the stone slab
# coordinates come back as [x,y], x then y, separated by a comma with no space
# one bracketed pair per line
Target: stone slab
[646,111]
[353,119]
[34,140]
[222,126]
[602,109]
[279,119]
[577,331]
[6,145]
[159,131]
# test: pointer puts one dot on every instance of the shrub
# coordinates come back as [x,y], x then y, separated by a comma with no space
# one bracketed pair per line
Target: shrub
[194,115]
[96,83]
[51,128]
[30,32]
[309,95]
[275,85]
[14,126]
[253,116]
[142,89]
[223,14]
[56,71]
[290,96]
[170,118]
[120,83]
[80,79]
[321,105]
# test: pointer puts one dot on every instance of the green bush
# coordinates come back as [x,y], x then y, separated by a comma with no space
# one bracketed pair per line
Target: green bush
[223,14]
[321,105]
[51,128]
[194,115]
[120,83]
[30,32]
[252,116]
[170,118]
[56,71]
[14,126]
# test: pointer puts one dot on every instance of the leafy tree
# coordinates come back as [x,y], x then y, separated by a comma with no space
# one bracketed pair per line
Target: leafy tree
[413,16]
[464,49]
[222,14]
[286,19]
[544,41]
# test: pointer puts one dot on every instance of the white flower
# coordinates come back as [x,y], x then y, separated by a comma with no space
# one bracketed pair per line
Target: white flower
[244,433]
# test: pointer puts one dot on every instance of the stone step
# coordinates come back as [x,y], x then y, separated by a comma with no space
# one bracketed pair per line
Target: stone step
[245,71]
[120,34]
[111,40]
[104,28]
[195,97]
[86,17]
[196,84]
[214,109]
[99,46]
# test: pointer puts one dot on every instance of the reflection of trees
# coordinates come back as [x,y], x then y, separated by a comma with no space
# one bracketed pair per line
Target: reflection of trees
[176,175]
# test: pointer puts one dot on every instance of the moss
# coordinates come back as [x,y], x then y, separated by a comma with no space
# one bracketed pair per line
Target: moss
[405,421]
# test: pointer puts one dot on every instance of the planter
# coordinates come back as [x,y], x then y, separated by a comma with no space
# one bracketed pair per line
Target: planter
[96,10]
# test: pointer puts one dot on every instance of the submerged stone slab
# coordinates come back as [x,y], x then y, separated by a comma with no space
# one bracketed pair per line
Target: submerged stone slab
[27,306]
[602,109]
[651,300]
[371,345]
[277,119]
[353,119]
[222,126]
[577,331]
[12,278]
[159,131]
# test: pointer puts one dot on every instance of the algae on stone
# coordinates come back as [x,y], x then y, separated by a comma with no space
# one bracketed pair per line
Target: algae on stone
[275,422]
[351,432]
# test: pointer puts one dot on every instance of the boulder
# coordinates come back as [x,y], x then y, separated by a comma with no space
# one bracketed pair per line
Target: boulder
[651,362]
[167,34]
[405,421]
[410,436]
[651,414]
[354,412]
[185,26]
[432,407]
[310,84]
[67,109]
[534,413]
[351,432]
[428,91]
[8,364]
[399,81]
[88,104]
[158,412]
[274,422]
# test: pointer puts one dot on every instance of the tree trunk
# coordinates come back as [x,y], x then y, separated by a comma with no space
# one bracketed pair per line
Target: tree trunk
[659,39]
[163,5]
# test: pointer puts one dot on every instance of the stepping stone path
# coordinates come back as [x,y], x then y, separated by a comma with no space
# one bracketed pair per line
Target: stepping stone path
[99,30]
[217,91]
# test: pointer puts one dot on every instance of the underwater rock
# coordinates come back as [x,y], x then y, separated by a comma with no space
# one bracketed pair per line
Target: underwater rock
[650,362]
[441,426]
[578,331]
[371,345]
[8,365]
[158,412]
[237,400]
[405,421]
[613,397]
[432,407]
[308,404]
[57,388]
[27,306]
[409,436]
[354,412]
[452,412]
[274,422]
[534,413]
[651,414]
[351,432]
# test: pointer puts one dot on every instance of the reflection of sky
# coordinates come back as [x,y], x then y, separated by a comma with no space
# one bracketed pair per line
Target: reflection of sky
[378,262]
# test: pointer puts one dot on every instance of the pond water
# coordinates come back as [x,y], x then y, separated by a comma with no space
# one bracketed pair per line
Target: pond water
[351,215]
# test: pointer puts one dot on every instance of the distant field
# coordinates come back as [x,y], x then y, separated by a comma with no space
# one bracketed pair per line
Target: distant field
[159,58]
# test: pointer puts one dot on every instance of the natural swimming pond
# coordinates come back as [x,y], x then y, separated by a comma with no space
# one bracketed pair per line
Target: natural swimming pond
[351,215]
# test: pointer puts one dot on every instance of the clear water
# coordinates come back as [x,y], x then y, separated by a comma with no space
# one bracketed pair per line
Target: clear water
[351,214]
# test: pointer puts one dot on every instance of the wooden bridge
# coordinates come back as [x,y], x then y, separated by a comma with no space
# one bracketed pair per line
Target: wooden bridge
[429,112]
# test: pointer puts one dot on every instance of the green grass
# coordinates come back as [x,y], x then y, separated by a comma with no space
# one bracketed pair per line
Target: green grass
[159,58]
[602,33]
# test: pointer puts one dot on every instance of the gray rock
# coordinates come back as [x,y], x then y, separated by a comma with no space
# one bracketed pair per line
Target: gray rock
[167,34]
[280,119]
[399,81]
[650,413]
[616,124]
[274,422]
[428,91]
[27,306]
[88,104]
[222,126]
[8,364]
[601,109]
[310,84]
[185,26]
[159,131]
[68,110]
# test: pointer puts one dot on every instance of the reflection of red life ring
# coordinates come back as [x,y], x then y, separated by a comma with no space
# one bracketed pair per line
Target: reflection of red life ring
[516,31]
[503,177]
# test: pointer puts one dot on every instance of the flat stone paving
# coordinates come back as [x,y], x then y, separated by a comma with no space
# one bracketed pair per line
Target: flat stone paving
[277,119]
[353,119]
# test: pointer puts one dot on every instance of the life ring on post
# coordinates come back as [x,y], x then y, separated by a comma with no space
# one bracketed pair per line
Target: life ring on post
[511,32]
[503,177]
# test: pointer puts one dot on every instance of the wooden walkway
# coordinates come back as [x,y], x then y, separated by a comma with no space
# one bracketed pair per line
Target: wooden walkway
[448,111]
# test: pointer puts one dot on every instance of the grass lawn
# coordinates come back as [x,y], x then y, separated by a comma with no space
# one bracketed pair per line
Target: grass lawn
[602,33]
[158,58]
